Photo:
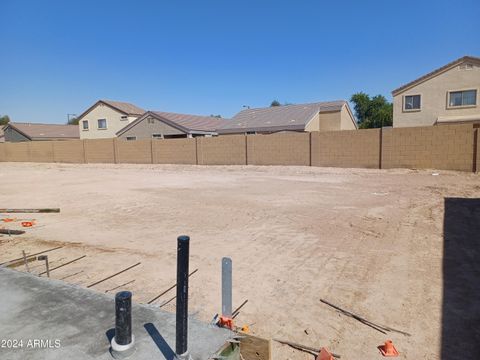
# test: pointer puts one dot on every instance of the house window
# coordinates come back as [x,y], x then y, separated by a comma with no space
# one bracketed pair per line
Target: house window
[85,124]
[157,136]
[411,102]
[130,138]
[102,123]
[151,120]
[462,98]
[124,117]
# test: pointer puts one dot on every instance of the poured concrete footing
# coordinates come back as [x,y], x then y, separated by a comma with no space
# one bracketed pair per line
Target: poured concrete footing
[54,320]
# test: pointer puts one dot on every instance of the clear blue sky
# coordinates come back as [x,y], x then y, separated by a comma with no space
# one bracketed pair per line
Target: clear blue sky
[212,57]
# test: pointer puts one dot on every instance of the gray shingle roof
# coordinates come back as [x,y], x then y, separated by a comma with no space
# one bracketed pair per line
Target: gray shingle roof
[47,131]
[277,118]
[193,122]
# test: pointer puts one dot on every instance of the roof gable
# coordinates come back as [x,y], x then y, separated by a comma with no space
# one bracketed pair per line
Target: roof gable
[436,72]
[183,122]
[122,107]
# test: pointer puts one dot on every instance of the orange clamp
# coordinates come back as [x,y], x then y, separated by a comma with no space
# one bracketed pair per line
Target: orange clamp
[225,322]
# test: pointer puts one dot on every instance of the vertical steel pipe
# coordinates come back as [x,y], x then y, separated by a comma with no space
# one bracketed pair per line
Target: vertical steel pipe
[181,340]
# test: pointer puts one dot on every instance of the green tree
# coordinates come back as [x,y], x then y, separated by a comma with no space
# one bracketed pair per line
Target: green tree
[275,103]
[4,120]
[73,121]
[372,112]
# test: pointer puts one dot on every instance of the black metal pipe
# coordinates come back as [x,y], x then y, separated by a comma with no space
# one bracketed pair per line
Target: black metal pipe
[183,245]
[123,318]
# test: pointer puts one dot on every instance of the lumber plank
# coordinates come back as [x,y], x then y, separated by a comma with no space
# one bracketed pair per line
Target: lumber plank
[255,348]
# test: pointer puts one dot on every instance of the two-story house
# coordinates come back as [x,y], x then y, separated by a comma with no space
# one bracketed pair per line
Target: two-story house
[446,95]
[105,118]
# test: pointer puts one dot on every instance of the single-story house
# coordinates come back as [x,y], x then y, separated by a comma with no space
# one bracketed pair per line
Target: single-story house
[320,116]
[17,132]
[106,117]
[447,95]
[166,125]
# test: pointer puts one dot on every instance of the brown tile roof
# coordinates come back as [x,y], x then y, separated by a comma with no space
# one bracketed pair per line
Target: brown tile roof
[127,108]
[123,107]
[277,118]
[435,73]
[46,131]
[184,122]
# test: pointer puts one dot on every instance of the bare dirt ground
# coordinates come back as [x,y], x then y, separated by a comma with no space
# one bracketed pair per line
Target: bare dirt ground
[370,241]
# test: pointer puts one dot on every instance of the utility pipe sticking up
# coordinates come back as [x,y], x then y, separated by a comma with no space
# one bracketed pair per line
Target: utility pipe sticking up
[123,341]
[181,333]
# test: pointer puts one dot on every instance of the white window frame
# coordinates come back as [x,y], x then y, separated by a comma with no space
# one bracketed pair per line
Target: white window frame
[83,125]
[449,107]
[405,103]
[102,128]
[130,138]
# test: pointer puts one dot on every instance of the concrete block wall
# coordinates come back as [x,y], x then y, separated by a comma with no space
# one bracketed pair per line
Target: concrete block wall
[175,151]
[99,151]
[433,147]
[17,152]
[72,151]
[352,148]
[279,149]
[133,152]
[41,151]
[2,152]
[222,150]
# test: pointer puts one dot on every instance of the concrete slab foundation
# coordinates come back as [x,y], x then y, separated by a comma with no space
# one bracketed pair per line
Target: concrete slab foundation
[48,319]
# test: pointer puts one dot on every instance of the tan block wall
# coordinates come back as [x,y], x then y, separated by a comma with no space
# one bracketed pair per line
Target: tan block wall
[2,152]
[134,152]
[223,150]
[16,152]
[175,151]
[279,149]
[69,151]
[348,148]
[41,151]
[431,147]
[99,151]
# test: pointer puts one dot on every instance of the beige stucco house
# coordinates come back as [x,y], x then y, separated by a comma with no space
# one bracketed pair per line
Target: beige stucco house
[321,116]
[446,95]
[106,117]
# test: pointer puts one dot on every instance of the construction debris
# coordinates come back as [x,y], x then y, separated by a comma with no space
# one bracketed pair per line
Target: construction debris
[11,232]
[26,211]
[111,276]
[381,328]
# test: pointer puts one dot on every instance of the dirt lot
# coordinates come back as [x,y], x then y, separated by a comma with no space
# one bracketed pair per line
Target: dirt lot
[370,241]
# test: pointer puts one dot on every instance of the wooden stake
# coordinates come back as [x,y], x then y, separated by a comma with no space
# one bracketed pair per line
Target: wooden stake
[25,211]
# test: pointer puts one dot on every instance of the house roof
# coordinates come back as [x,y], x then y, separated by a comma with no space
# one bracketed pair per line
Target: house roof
[2,135]
[184,122]
[435,72]
[123,107]
[277,118]
[35,131]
